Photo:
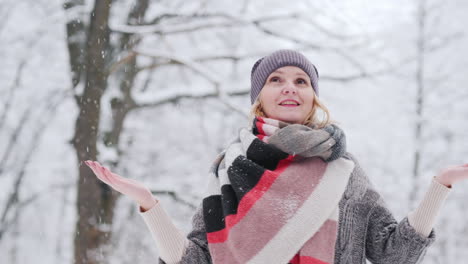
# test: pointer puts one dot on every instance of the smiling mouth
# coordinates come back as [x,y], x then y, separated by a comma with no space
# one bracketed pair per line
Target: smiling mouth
[289,105]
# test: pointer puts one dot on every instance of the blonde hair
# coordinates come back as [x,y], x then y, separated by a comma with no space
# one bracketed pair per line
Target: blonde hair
[311,119]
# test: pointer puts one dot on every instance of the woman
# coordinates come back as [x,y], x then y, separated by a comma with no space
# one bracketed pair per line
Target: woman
[287,191]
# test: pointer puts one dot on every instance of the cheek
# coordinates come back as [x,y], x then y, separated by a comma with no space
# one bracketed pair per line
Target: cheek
[309,107]
[309,99]
[268,100]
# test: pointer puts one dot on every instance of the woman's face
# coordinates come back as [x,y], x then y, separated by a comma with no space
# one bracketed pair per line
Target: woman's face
[287,95]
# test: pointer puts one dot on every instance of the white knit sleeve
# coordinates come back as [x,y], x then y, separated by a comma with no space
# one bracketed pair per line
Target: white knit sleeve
[171,242]
[423,218]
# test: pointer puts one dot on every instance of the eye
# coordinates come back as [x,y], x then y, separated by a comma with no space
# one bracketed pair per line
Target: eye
[274,79]
[301,81]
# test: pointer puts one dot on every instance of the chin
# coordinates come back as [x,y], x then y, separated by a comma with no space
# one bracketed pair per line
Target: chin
[290,119]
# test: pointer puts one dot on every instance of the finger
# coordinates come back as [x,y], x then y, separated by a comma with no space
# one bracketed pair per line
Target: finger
[120,183]
[88,163]
[115,179]
[98,171]
[105,178]
[117,182]
[95,166]
[112,180]
[99,168]
[92,167]
[105,175]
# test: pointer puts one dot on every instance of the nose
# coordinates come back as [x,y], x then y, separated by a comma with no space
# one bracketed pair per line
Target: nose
[289,89]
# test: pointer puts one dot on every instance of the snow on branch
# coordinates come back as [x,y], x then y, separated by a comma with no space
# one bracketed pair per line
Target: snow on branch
[76,10]
[170,29]
[358,76]
[230,57]
[178,97]
[201,70]
[195,23]
[190,16]
[335,35]
[197,67]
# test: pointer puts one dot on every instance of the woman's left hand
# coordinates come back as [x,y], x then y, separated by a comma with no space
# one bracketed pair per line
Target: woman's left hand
[453,174]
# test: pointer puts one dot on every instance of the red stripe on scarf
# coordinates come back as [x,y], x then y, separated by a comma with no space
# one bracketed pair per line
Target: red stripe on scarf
[261,136]
[249,199]
[259,124]
[298,259]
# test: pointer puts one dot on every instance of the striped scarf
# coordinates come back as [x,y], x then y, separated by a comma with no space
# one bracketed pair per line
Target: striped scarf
[273,194]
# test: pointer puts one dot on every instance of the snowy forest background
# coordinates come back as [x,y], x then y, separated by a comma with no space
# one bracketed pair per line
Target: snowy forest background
[155,89]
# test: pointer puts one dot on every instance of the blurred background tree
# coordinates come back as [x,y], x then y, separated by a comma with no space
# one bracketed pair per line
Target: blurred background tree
[155,89]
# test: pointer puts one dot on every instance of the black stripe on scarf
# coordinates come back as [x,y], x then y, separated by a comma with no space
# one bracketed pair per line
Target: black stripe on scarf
[244,174]
[213,213]
[265,155]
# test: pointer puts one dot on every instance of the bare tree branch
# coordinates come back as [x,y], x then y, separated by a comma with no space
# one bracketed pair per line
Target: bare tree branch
[13,141]
[327,32]
[29,201]
[13,198]
[174,196]
[157,28]
[228,57]
[5,13]
[176,98]
[149,77]
[257,22]
[30,44]
[444,41]
[10,93]
[201,70]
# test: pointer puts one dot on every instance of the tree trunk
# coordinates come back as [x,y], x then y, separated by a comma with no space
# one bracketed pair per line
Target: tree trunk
[122,105]
[76,38]
[95,201]
[421,52]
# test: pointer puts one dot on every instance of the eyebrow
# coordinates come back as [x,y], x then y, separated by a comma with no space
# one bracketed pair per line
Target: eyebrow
[299,73]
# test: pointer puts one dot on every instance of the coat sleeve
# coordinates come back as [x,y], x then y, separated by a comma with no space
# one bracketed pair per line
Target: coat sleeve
[197,248]
[388,241]
[392,242]
[173,246]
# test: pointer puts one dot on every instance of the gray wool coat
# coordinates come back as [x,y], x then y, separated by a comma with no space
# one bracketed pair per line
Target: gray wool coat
[366,230]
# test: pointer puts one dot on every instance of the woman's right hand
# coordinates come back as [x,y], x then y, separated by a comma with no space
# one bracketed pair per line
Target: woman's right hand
[135,190]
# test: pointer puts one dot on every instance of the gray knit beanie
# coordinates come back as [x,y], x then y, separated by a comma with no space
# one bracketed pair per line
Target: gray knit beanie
[268,64]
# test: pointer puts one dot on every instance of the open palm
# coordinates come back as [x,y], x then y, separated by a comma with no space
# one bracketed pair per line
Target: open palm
[133,189]
[453,174]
